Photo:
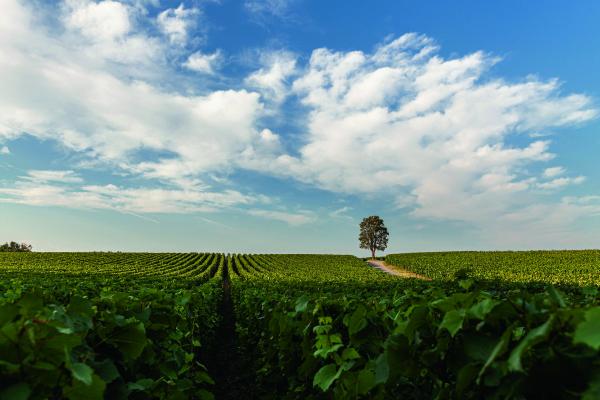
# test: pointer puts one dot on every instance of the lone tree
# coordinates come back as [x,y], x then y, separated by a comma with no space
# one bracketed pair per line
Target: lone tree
[373,234]
[15,247]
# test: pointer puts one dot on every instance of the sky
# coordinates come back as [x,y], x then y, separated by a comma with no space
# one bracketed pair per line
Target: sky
[277,125]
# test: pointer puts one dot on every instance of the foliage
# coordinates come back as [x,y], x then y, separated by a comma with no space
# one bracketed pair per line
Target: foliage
[88,336]
[362,336]
[119,325]
[570,267]
[373,234]
[15,247]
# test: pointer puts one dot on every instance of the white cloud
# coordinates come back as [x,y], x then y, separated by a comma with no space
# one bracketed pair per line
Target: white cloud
[405,201]
[204,63]
[42,176]
[176,23]
[264,148]
[404,120]
[105,20]
[561,182]
[272,78]
[103,34]
[431,134]
[4,150]
[341,212]
[57,93]
[122,199]
[293,219]
[553,171]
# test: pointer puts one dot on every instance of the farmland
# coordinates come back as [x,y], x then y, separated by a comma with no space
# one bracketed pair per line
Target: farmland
[580,267]
[205,325]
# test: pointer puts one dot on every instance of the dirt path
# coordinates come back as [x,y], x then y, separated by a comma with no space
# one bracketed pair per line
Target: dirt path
[394,270]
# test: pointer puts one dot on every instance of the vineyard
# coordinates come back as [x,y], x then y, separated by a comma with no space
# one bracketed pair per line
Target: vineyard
[206,325]
[573,267]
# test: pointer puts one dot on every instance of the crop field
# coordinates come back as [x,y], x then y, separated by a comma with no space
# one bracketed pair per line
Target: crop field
[570,267]
[207,325]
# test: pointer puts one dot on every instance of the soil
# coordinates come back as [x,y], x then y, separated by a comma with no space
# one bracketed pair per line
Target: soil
[395,270]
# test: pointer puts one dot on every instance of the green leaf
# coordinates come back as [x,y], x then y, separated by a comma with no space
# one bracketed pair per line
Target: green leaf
[106,370]
[534,336]
[518,332]
[205,395]
[8,367]
[366,381]
[357,321]
[588,331]
[29,303]
[184,298]
[326,376]
[7,313]
[302,303]
[130,340]
[478,347]
[557,297]
[82,373]
[453,321]
[142,384]
[483,308]
[382,369]
[18,391]
[465,377]
[350,353]
[325,351]
[79,390]
[79,305]
[498,350]
[466,283]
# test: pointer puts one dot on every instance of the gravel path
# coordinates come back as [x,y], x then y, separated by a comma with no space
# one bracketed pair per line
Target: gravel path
[394,270]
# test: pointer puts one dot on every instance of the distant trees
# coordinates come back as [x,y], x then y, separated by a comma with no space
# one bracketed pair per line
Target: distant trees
[15,247]
[373,234]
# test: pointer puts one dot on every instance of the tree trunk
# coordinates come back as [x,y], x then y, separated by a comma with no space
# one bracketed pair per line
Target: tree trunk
[372,254]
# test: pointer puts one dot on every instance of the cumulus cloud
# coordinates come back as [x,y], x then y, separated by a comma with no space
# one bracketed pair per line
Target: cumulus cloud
[106,20]
[98,33]
[434,133]
[175,23]
[55,93]
[272,78]
[4,150]
[203,63]
[431,134]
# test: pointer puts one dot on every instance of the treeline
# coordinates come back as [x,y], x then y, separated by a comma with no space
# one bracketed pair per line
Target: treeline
[15,247]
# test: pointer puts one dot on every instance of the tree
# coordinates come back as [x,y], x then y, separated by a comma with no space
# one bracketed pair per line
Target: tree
[373,234]
[15,247]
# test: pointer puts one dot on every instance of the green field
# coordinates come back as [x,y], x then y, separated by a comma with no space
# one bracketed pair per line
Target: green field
[205,325]
[581,267]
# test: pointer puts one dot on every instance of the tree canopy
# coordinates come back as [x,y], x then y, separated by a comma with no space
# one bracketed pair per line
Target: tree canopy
[15,247]
[373,234]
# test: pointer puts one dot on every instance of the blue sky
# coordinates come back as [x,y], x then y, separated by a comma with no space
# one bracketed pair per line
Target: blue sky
[275,126]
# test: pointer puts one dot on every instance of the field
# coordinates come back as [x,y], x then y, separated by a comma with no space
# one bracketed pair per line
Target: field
[205,325]
[579,268]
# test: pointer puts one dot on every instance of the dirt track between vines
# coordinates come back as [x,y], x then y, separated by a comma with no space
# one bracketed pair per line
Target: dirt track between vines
[395,270]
